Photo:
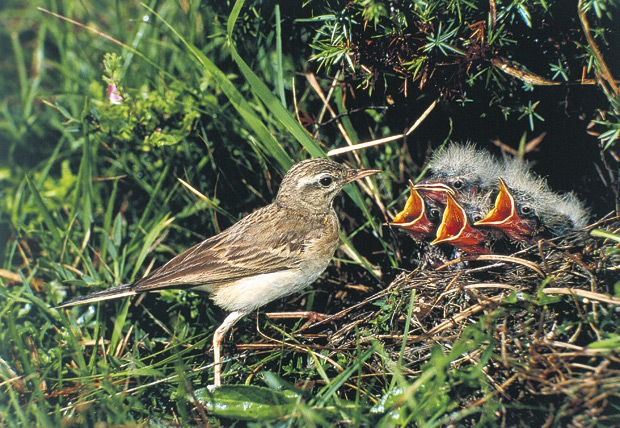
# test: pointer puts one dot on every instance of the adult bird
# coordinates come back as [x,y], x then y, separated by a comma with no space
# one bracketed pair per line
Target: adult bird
[273,252]
[526,209]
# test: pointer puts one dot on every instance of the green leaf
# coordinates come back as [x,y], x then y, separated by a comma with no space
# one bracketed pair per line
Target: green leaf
[247,402]
[391,404]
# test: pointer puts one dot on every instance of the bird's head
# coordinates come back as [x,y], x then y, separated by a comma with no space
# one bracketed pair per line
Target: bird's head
[418,218]
[457,228]
[312,184]
[516,217]
[526,209]
[466,169]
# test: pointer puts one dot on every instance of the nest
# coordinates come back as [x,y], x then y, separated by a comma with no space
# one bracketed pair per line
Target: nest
[535,305]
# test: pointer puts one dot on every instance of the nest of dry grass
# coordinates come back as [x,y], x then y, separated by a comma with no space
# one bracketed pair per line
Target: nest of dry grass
[549,309]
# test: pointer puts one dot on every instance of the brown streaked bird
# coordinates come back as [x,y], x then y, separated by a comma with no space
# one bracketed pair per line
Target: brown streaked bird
[273,252]
[464,168]
[457,228]
[526,209]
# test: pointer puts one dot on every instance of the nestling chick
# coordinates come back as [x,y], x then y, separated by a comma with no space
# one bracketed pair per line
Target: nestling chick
[526,209]
[419,218]
[457,225]
[464,168]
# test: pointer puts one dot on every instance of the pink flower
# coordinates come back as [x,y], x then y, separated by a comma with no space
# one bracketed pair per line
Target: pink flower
[114,96]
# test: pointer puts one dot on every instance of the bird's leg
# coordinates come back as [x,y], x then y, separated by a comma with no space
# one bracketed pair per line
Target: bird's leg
[218,337]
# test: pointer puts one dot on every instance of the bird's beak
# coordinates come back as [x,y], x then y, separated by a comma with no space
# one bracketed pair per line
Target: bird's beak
[455,229]
[436,191]
[413,217]
[505,217]
[356,174]
[504,211]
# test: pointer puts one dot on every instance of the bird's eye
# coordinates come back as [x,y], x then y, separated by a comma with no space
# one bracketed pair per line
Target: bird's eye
[477,217]
[433,214]
[526,210]
[326,181]
[457,184]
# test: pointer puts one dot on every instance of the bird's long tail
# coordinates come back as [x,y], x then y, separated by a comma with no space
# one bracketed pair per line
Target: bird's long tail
[110,293]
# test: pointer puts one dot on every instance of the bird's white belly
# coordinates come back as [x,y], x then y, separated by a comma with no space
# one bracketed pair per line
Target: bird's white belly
[250,293]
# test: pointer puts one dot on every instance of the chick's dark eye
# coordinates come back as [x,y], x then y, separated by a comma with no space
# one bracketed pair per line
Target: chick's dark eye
[326,181]
[526,210]
[457,184]
[477,217]
[434,214]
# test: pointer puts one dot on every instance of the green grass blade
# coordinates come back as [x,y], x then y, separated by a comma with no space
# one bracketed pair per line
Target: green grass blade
[147,242]
[107,221]
[84,196]
[266,96]
[47,216]
[20,63]
[149,206]
[331,388]
[607,235]
[279,71]
[405,335]
[268,142]
[118,326]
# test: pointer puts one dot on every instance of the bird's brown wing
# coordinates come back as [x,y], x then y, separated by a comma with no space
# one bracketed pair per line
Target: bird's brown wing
[265,241]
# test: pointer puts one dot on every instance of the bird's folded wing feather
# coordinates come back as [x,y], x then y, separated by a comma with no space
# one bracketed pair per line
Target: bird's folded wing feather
[248,248]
